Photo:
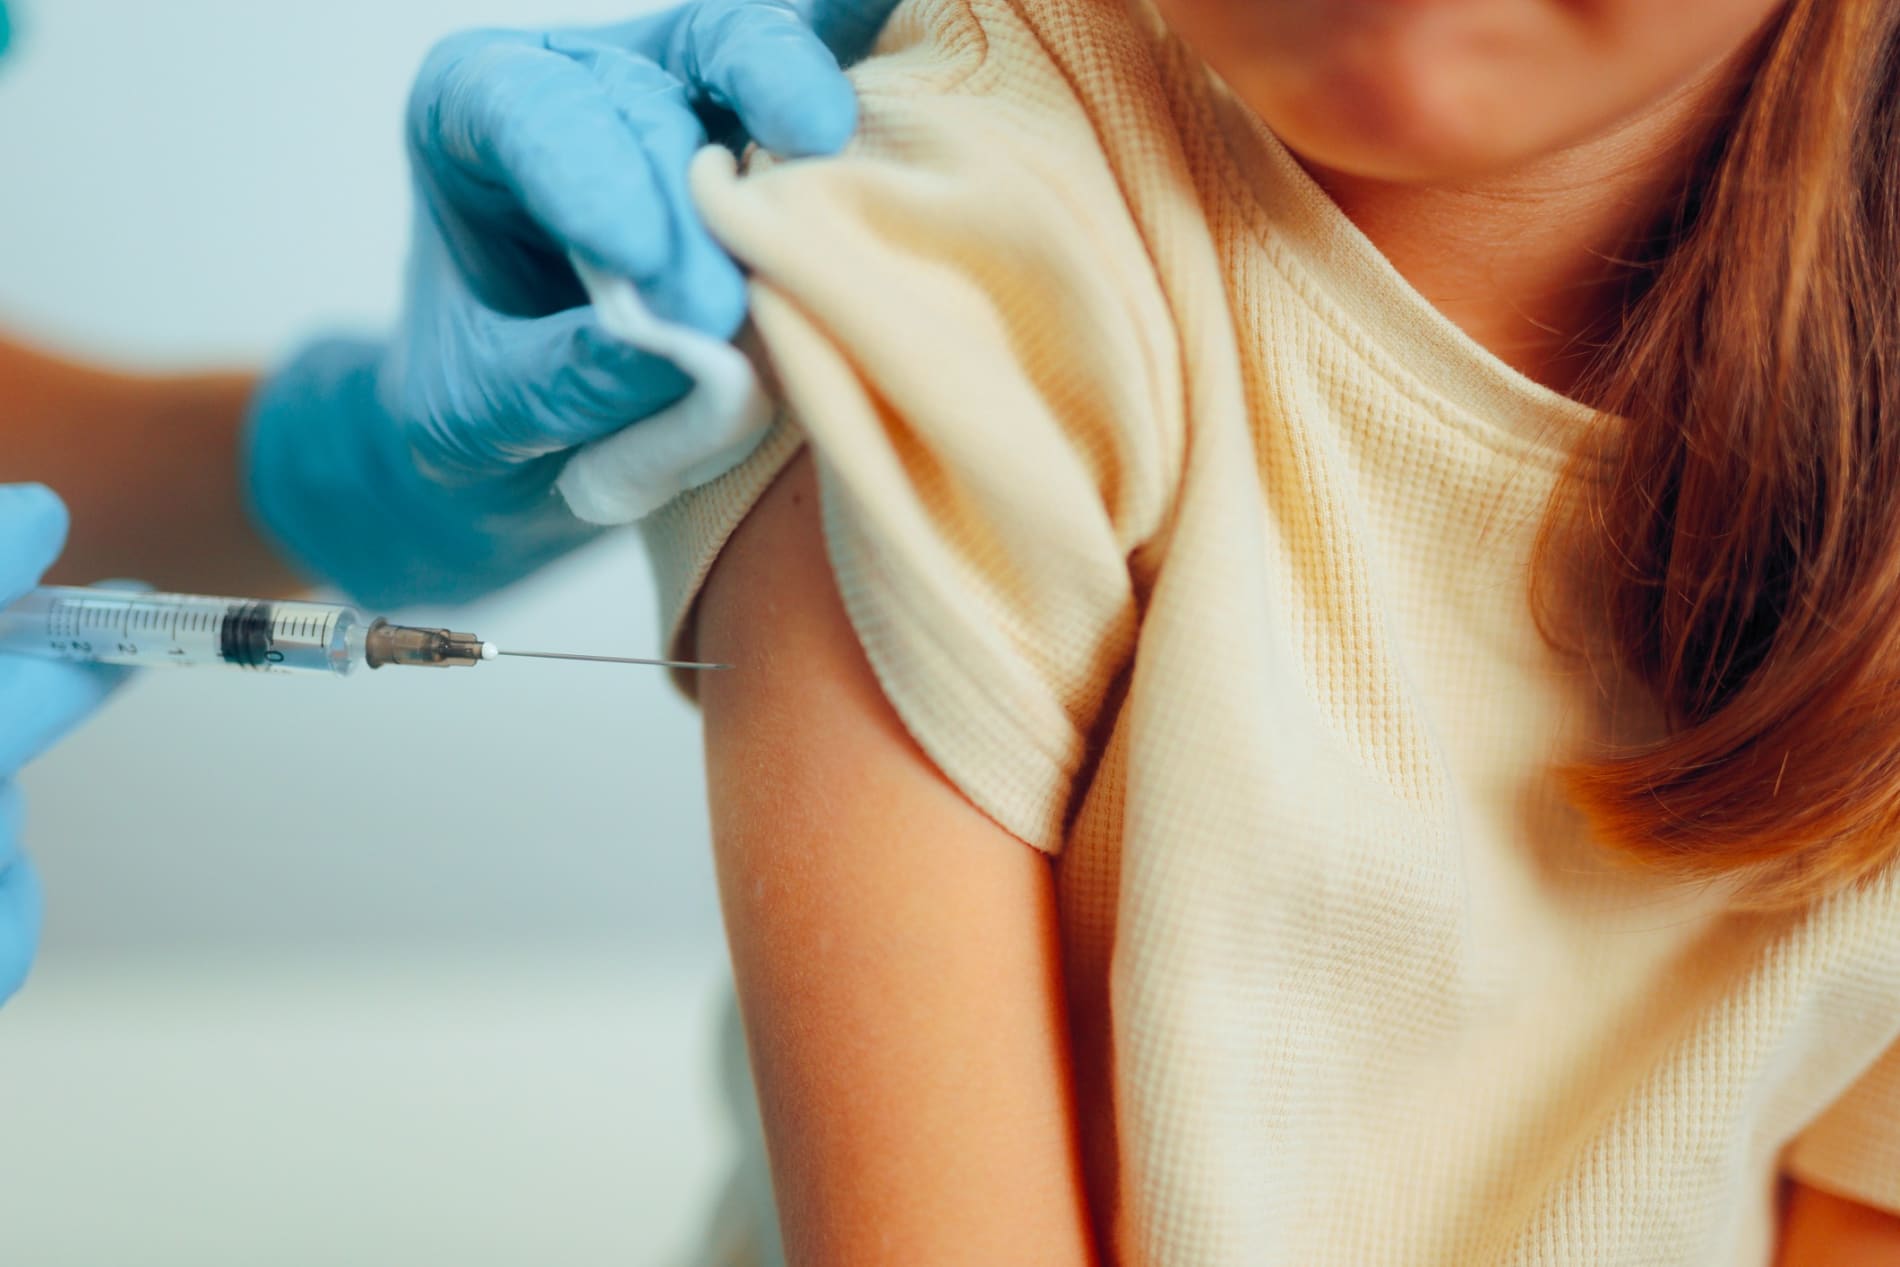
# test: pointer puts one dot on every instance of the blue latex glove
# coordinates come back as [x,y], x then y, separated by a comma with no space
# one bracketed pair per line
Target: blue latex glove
[421,469]
[40,700]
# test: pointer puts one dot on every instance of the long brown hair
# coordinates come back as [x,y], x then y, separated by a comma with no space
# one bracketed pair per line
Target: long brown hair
[1742,524]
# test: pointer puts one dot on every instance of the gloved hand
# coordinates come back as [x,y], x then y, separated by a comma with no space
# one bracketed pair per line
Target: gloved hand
[421,468]
[40,700]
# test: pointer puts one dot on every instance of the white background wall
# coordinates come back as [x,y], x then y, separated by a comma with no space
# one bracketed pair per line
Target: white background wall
[409,968]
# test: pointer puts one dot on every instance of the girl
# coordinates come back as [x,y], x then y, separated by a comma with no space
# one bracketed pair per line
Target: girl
[1343,711]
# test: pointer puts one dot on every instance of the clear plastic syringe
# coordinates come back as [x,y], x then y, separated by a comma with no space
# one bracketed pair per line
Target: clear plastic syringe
[109,626]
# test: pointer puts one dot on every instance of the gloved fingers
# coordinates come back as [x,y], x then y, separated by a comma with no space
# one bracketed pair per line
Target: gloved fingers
[531,387]
[760,60]
[701,287]
[600,384]
[523,142]
[42,700]
[32,532]
[21,904]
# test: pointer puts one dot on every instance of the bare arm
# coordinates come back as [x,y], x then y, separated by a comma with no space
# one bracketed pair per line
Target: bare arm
[1819,1229]
[149,467]
[895,950]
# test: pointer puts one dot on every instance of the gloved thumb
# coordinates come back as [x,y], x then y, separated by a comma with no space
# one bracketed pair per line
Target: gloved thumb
[33,526]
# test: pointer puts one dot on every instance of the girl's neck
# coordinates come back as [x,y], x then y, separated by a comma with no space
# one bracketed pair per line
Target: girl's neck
[1529,262]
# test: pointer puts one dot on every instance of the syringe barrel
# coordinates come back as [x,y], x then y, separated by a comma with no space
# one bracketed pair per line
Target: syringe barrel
[181,630]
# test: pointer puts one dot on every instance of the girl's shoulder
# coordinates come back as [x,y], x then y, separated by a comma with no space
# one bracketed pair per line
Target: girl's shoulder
[965,321]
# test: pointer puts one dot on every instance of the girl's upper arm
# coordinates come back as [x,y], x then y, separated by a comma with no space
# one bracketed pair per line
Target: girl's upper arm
[1819,1229]
[896,952]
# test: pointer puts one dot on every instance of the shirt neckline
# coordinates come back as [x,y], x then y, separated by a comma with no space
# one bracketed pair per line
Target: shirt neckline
[1417,341]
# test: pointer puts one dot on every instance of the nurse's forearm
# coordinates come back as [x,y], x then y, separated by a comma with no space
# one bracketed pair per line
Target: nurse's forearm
[148,465]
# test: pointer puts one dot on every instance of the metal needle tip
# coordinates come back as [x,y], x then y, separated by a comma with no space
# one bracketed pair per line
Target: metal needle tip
[617,659]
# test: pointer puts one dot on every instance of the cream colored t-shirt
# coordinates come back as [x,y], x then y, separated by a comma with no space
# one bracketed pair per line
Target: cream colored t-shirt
[1192,546]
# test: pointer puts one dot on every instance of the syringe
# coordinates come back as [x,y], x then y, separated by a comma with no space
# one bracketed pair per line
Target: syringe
[108,626]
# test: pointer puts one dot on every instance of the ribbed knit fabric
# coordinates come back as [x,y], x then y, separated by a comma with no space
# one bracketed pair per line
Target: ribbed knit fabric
[1192,545]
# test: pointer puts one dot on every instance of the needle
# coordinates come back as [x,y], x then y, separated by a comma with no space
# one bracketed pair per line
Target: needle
[615,659]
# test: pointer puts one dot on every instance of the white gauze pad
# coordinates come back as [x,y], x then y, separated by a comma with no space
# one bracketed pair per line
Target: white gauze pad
[713,428]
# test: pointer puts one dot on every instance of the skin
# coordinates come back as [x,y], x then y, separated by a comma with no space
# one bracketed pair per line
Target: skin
[902,1003]
[1445,128]
[1429,92]
[895,951]
[154,490]
[1820,1229]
